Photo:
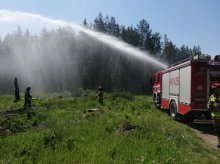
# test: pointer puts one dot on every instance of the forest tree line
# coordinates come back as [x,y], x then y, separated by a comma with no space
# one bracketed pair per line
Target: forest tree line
[62,59]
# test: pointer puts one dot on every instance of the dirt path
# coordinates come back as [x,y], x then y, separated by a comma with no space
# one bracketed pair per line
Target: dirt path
[207,133]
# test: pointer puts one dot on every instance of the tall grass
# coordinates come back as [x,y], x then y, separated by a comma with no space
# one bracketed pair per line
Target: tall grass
[126,129]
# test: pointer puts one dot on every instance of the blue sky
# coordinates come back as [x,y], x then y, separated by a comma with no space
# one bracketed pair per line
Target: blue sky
[189,22]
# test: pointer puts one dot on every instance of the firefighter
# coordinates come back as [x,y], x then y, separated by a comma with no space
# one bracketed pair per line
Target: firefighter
[100,94]
[17,97]
[27,98]
[214,106]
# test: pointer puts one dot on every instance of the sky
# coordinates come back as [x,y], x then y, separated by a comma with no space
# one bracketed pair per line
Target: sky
[185,22]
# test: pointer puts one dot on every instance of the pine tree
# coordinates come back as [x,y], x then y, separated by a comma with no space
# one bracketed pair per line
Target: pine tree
[144,32]
[85,24]
[99,24]
[169,53]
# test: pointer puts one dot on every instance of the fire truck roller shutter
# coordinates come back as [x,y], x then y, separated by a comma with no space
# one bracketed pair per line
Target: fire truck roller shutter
[165,91]
[185,90]
[174,87]
[185,84]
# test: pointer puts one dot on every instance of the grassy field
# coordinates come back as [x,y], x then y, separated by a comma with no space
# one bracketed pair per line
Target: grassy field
[126,129]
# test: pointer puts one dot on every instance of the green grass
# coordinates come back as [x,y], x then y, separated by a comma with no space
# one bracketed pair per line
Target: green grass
[127,129]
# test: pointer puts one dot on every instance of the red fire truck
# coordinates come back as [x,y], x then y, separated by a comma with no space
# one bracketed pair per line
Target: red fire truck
[184,88]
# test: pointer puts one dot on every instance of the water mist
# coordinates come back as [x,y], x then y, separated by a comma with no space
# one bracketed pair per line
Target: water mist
[33,61]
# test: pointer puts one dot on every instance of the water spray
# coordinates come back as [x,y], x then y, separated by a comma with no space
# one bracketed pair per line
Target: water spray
[19,17]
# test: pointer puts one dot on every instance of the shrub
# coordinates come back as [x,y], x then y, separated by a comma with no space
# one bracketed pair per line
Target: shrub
[16,123]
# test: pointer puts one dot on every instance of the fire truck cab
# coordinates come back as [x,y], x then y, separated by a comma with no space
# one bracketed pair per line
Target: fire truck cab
[185,87]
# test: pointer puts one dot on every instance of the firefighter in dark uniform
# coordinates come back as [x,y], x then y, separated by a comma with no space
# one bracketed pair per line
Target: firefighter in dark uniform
[27,98]
[17,97]
[100,94]
[214,106]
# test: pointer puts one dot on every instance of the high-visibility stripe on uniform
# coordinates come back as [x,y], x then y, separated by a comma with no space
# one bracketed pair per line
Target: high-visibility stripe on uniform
[215,114]
[215,111]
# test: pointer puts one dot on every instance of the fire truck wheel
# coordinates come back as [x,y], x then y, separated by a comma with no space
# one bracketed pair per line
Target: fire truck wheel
[173,110]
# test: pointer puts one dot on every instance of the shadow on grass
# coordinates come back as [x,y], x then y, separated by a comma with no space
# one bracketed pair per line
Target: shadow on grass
[17,120]
[13,112]
[205,127]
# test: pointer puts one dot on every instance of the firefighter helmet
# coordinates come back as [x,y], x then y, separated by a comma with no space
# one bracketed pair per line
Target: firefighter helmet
[100,87]
[215,85]
[28,88]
